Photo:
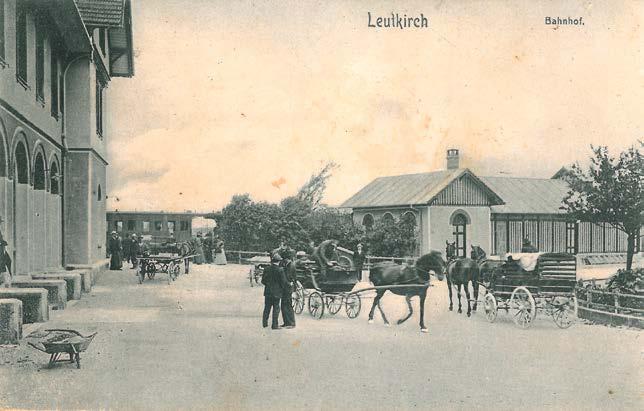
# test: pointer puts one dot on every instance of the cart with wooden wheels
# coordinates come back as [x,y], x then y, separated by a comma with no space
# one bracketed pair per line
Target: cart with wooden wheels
[549,288]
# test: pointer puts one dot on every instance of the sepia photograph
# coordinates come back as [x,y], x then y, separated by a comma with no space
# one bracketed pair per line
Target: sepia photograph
[321,205]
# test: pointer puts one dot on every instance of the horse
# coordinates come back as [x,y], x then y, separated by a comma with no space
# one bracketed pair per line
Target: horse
[390,274]
[460,272]
[486,267]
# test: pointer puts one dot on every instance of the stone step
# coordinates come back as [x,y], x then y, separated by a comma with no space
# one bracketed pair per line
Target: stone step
[57,290]
[35,308]
[74,282]
[10,321]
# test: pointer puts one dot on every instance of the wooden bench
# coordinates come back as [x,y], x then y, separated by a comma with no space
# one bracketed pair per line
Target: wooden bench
[57,290]
[35,308]
[73,280]
[10,321]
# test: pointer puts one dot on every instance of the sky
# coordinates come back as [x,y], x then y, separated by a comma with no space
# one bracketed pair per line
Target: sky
[256,96]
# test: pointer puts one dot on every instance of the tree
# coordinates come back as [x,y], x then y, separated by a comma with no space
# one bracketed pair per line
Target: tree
[312,191]
[394,238]
[610,190]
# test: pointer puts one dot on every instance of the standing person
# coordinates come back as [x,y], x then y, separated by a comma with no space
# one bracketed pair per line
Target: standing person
[220,253]
[275,283]
[198,246]
[207,248]
[126,254]
[115,247]
[5,263]
[288,265]
[359,257]
[134,251]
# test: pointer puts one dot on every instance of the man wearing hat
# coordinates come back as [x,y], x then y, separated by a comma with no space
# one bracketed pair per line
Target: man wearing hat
[115,247]
[527,246]
[134,251]
[359,257]
[275,283]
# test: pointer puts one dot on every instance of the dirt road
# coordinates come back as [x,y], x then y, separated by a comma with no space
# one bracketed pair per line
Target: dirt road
[198,344]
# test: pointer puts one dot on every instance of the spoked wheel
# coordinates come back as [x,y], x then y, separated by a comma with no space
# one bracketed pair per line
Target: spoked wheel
[297,298]
[316,305]
[334,303]
[564,311]
[522,307]
[352,305]
[491,308]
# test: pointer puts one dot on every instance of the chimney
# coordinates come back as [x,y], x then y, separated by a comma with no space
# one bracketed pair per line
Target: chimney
[452,159]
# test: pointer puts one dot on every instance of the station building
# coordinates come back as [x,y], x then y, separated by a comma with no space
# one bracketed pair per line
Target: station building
[496,213]
[57,58]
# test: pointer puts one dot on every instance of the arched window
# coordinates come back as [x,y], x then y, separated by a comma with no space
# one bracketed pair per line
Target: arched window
[21,164]
[367,221]
[39,172]
[459,222]
[409,218]
[388,219]
[54,178]
[99,193]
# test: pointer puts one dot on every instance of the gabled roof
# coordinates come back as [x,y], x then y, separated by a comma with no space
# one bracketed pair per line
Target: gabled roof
[410,189]
[102,13]
[528,195]
[508,195]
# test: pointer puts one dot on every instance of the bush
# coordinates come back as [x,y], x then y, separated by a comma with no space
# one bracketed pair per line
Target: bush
[626,281]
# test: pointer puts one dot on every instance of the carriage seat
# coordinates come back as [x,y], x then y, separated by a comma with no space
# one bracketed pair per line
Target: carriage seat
[527,261]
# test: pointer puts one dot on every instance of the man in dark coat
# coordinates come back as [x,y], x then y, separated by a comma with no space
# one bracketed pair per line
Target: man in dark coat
[115,248]
[275,283]
[527,246]
[288,314]
[359,257]
[134,251]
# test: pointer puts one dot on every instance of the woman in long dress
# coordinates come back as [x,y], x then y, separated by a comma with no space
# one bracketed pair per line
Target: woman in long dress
[115,247]
[220,253]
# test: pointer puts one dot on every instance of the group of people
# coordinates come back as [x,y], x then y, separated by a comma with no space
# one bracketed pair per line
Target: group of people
[279,279]
[208,250]
[128,250]
[279,283]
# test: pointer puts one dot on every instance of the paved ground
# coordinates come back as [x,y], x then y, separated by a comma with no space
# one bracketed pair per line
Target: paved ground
[198,344]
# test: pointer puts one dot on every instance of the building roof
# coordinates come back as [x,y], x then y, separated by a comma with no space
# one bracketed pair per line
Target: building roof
[102,13]
[409,189]
[528,195]
[507,194]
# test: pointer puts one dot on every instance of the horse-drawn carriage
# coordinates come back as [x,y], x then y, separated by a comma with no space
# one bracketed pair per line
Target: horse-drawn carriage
[326,282]
[526,283]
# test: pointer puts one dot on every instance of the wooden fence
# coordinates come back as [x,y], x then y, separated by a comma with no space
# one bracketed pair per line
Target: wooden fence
[609,307]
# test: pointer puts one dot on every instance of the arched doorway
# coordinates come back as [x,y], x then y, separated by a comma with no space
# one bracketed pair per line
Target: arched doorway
[459,222]
[20,209]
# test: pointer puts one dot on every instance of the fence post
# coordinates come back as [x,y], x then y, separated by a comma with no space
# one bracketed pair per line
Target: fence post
[616,298]
[239,256]
[589,298]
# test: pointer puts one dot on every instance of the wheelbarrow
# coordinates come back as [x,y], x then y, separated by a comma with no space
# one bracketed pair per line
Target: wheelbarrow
[57,342]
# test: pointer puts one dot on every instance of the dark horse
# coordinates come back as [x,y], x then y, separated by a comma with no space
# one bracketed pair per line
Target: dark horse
[486,267]
[460,272]
[390,274]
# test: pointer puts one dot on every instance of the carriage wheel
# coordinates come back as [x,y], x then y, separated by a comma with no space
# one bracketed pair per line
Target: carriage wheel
[564,311]
[316,305]
[522,307]
[491,308]
[297,299]
[334,303]
[352,305]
